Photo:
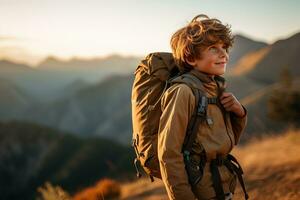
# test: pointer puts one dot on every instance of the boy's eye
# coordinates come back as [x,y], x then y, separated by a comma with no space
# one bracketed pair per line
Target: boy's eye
[215,50]
[212,49]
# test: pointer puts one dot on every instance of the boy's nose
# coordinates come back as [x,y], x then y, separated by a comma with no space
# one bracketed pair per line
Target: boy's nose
[223,54]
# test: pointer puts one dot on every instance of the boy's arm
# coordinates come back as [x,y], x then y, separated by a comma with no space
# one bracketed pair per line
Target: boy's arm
[238,124]
[177,107]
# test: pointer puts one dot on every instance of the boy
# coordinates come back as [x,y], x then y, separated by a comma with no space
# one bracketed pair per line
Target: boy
[201,49]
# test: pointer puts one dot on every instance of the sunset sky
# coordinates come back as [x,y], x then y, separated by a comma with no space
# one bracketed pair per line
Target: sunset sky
[67,28]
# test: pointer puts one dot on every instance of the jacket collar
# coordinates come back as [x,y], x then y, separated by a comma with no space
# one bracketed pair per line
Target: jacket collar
[206,78]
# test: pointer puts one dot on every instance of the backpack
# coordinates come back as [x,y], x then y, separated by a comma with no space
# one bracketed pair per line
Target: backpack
[152,77]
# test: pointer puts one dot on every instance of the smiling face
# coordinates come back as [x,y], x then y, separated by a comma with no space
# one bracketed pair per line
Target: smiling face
[213,60]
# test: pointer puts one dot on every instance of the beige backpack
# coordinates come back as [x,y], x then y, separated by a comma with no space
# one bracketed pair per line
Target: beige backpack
[152,77]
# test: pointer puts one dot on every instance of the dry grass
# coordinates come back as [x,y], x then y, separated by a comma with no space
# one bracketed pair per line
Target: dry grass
[105,189]
[271,165]
[50,192]
[143,189]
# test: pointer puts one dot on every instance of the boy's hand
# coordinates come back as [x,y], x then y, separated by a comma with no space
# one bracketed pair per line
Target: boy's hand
[230,103]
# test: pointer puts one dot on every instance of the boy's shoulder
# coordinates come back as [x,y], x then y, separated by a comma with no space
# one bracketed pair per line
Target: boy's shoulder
[179,88]
[179,91]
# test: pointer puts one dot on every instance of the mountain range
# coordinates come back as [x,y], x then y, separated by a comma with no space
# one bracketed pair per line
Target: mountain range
[92,97]
[53,77]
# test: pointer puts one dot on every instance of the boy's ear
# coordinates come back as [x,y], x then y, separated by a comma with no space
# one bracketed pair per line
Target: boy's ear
[191,61]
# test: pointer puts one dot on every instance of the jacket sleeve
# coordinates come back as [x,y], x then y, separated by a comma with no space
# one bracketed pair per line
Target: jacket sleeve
[177,107]
[238,124]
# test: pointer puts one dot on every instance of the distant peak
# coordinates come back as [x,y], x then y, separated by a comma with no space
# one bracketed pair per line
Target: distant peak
[294,37]
[12,64]
[51,61]
[242,37]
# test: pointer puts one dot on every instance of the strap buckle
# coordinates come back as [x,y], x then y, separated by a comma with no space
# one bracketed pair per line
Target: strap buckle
[201,111]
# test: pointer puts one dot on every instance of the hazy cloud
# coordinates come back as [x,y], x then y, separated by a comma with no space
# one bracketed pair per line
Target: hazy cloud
[8,38]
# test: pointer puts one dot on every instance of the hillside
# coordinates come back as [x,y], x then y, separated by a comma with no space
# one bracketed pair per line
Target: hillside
[243,45]
[9,68]
[32,154]
[266,64]
[101,109]
[248,62]
[258,109]
[271,168]
[13,100]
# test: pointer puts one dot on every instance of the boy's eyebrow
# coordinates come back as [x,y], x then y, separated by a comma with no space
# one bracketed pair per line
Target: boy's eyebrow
[215,44]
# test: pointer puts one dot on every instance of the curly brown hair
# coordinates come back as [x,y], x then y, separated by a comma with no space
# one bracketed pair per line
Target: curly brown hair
[202,32]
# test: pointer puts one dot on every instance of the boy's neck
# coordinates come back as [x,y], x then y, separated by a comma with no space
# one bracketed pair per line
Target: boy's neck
[209,75]
[205,76]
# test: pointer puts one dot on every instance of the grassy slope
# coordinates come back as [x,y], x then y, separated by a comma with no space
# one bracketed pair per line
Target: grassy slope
[271,166]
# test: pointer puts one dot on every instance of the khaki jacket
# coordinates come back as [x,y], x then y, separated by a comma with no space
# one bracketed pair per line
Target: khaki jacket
[178,104]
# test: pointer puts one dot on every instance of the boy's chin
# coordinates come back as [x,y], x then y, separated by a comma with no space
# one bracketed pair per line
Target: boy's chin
[220,73]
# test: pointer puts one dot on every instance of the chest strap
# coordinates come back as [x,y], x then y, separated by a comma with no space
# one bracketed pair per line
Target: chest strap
[212,100]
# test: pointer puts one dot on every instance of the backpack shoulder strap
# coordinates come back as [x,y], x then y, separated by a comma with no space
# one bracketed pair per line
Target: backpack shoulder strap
[197,116]
[201,103]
